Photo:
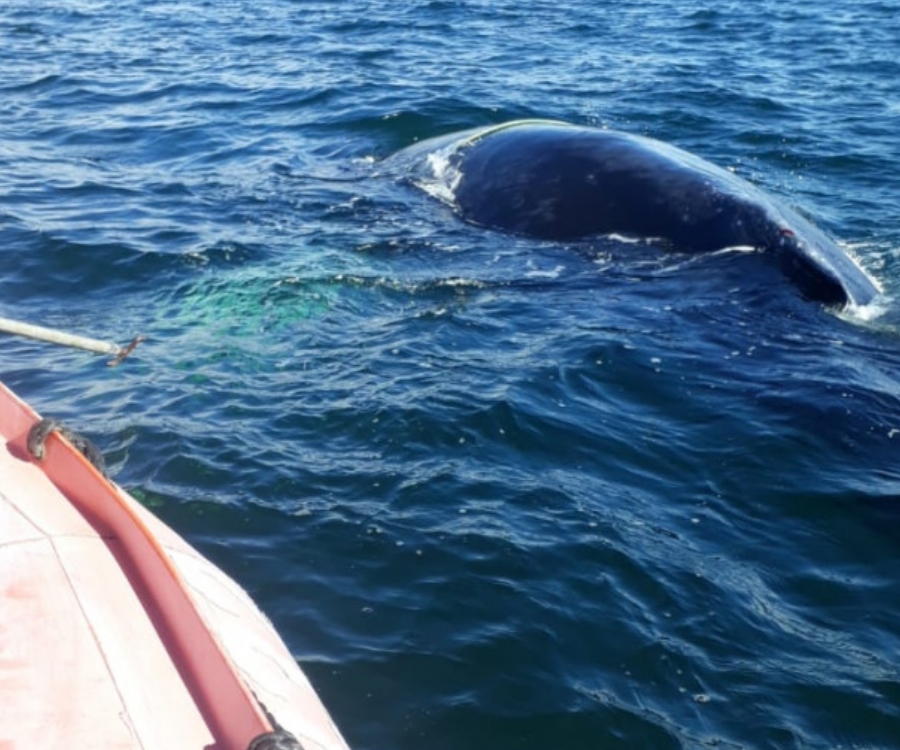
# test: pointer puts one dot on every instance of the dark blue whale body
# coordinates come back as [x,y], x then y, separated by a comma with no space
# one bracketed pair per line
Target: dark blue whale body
[552,180]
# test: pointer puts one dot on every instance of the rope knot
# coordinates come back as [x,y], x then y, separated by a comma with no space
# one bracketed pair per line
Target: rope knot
[40,431]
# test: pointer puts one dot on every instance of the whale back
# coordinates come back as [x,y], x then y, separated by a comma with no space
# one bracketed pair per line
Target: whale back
[819,268]
[553,180]
[563,182]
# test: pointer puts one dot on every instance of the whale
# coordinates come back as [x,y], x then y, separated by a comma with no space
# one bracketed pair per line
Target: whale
[553,180]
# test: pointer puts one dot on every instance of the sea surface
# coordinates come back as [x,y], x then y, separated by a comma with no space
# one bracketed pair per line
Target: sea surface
[496,493]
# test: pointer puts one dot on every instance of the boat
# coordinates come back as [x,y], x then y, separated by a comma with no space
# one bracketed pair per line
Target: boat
[115,632]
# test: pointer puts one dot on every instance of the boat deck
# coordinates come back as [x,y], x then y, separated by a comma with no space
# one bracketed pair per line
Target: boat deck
[81,662]
[116,633]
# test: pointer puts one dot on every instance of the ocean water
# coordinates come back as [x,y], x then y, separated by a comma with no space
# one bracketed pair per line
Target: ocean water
[494,492]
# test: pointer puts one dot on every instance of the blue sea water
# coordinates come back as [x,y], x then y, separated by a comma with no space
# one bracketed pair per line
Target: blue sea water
[494,492]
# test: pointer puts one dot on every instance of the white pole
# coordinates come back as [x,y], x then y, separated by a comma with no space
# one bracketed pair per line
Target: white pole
[67,339]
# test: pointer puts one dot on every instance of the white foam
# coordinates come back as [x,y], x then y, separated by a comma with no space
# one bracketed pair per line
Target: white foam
[866,313]
[441,176]
[545,273]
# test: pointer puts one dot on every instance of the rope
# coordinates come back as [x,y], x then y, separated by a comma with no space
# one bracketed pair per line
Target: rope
[40,431]
[278,739]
